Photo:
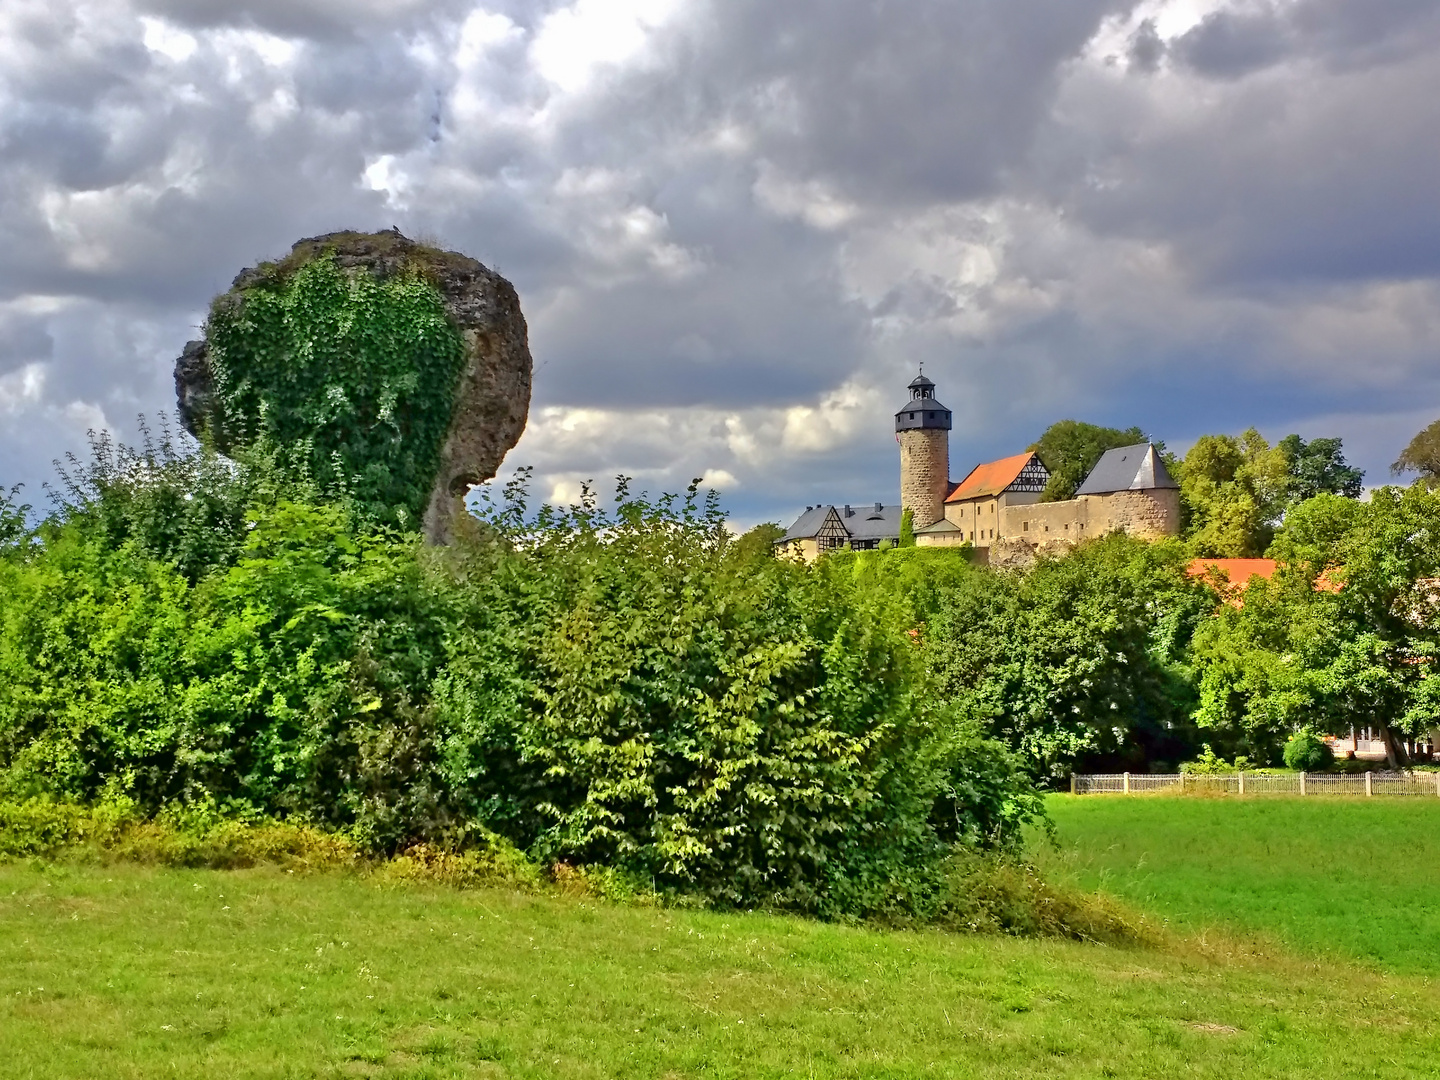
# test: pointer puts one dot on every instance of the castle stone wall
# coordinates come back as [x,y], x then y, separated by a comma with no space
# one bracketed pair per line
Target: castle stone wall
[1147,514]
[924,473]
[1039,523]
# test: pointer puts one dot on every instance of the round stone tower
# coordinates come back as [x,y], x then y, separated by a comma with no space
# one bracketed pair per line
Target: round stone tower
[922,427]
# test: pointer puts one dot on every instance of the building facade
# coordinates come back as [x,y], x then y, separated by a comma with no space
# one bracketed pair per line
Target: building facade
[822,529]
[996,507]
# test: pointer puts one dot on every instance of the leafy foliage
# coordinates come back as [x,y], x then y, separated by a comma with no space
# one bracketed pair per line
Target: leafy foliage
[1344,635]
[1233,491]
[1318,467]
[1084,656]
[15,531]
[1071,448]
[632,691]
[708,718]
[1307,751]
[177,503]
[1422,455]
[349,379]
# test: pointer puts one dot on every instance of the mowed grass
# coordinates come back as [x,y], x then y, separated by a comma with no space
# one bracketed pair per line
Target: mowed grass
[1356,878]
[132,971]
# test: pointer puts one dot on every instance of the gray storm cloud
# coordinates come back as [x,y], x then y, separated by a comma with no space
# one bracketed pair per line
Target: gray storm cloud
[737,227]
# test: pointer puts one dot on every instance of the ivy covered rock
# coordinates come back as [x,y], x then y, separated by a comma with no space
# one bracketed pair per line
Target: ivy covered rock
[368,363]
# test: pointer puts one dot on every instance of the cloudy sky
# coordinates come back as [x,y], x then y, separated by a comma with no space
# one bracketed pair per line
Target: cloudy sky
[738,226]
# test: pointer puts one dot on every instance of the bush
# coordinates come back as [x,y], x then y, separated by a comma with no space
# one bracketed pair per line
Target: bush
[629,690]
[1082,658]
[15,532]
[632,694]
[1211,764]
[1307,752]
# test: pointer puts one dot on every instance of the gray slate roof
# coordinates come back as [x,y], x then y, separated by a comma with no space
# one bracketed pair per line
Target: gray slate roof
[864,522]
[944,525]
[1127,468]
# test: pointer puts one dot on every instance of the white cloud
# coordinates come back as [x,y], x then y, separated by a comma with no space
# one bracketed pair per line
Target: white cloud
[169,41]
[737,228]
[22,389]
[574,44]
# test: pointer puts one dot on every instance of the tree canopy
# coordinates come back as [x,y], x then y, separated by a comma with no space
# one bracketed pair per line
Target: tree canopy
[1070,449]
[1318,467]
[1422,455]
[1235,491]
[1346,634]
[1232,492]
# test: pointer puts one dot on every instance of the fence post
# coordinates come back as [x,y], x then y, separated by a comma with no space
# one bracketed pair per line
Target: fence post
[1302,781]
[1242,781]
[1072,783]
[1437,783]
[1367,784]
[1127,783]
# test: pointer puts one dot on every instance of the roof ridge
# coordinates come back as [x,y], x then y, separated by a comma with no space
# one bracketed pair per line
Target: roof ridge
[991,477]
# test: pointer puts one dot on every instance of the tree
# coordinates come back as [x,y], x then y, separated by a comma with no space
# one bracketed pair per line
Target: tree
[1346,634]
[907,529]
[1233,491]
[758,542]
[1318,467]
[1081,657]
[1070,449]
[1422,456]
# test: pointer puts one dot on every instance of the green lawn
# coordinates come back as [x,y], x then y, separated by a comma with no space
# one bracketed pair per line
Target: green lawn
[130,971]
[1355,878]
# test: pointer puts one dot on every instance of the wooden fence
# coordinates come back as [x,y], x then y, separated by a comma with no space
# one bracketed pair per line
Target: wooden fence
[1243,783]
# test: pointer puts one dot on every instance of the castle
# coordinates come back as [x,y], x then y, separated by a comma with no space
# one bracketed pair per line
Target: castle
[996,508]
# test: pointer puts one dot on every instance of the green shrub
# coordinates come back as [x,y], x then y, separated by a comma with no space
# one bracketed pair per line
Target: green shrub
[293,683]
[1081,656]
[1307,752]
[44,828]
[713,720]
[15,531]
[632,694]
[1000,894]
[1211,764]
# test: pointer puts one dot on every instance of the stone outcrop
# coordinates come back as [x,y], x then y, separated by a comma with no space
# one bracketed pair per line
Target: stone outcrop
[1015,553]
[492,400]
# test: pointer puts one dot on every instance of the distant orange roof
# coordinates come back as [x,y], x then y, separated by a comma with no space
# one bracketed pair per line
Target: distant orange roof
[990,479]
[1237,571]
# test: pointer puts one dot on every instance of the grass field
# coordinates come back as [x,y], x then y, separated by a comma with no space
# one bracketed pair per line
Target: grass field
[131,971]
[1357,878]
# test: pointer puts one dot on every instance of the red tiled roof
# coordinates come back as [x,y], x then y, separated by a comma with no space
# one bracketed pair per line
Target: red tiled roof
[990,479]
[1237,571]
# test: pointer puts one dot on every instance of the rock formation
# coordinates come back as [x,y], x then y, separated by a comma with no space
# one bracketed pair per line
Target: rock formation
[492,399]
